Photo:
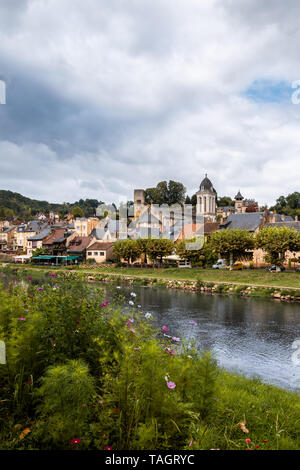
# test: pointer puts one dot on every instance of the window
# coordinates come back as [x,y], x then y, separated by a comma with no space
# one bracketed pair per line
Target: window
[90,253]
[102,253]
[95,253]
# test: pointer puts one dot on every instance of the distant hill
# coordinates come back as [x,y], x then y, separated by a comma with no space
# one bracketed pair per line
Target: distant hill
[18,206]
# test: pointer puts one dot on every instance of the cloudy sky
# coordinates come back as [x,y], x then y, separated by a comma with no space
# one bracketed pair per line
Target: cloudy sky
[104,96]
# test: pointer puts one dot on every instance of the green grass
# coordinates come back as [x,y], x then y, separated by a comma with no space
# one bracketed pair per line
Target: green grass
[246,277]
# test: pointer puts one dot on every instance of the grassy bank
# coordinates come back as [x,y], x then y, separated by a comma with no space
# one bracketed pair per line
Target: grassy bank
[246,277]
[82,373]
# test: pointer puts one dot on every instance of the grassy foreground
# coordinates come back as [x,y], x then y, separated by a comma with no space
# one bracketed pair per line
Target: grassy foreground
[85,374]
[247,277]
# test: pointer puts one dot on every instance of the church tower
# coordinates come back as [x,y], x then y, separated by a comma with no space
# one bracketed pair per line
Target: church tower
[206,199]
[238,203]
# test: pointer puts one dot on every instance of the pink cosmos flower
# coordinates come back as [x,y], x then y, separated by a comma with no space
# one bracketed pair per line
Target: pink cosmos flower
[22,319]
[53,274]
[108,448]
[136,349]
[104,305]
[165,329]
[40,288]
[171,385]
[248,441]
[131,320]
[75,441]
[174,338]
[193,323]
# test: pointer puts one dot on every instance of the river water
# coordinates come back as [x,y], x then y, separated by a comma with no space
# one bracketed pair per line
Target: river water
[251,336]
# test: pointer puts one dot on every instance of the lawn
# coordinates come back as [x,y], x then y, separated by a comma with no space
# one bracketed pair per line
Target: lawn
[246,277]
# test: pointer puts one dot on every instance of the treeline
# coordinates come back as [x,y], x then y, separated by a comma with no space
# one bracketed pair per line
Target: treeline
[289,205]
[231,245]
[15,206]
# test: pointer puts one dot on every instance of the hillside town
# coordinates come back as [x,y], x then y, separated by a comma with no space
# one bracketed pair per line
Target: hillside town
[49,239]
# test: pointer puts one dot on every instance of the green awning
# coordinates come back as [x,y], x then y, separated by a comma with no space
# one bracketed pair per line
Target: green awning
[43,257]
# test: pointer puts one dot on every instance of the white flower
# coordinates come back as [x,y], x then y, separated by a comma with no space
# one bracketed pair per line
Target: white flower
[118,287]
[139,306]
[133,294]
[148,315]
[130,302]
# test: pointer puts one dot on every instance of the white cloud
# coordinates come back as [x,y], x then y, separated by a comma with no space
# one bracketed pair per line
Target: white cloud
[162,82]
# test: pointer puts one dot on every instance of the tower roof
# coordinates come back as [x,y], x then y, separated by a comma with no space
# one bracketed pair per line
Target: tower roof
[239,197]
[206,185]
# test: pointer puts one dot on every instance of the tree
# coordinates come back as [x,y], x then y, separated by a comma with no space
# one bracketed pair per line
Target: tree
[126,249]
[194,200]
[276,242]
[202,257]
[188,200]
[289,205]
[39,252]
[142,247]
[77,212]
[231,244]
[158,248]
[166,193]
[225,201]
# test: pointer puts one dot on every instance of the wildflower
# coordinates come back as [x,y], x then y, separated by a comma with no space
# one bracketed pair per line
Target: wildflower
[133,294]
[108,448]
[171,385]
[165,329]
[104,305]
[53,274]
[116,410]
[174,338]
[131,320]
[257,447]
[118,287]
[136,349]
[130,302]
[193,323]
[170,351]
[148,315]
[83,404]
[133,331]
[75,440]
[248,441]
[40,288]
[192,442]
[29,381]
[264,441]
[100,401]
[139,306]
[3,275]
[22,319]
[29,278]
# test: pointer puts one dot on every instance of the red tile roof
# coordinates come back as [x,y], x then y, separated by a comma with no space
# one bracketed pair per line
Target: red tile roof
[100,246]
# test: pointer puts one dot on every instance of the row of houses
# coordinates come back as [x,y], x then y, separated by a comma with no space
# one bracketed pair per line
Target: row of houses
[76,240]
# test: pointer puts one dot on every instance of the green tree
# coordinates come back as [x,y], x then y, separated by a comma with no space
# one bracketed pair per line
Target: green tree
[157,248]
[126,249]
[77,212]
[194,200]
[225,201]
[276,242]
[166,193]
[231,244]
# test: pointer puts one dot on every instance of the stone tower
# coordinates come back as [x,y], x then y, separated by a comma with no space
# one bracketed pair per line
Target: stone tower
[238,203]
[206,199]
[139,202]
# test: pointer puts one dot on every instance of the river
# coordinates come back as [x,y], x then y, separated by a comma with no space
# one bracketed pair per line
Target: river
[251,336]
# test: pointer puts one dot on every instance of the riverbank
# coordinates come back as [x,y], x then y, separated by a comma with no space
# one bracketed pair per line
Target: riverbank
[278,286]
[123,384]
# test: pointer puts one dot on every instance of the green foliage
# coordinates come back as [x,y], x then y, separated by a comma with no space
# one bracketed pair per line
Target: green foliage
[158,248]
[225,201]
[166,193]
[276,242]
[78,368]
[77,212]
[231,242]
[289,205]
[126,249]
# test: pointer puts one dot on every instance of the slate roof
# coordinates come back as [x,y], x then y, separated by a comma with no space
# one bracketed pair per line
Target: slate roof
[41,235]
[247,221]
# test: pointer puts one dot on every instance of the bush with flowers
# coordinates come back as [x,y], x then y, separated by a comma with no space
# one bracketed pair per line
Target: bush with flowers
[85,373]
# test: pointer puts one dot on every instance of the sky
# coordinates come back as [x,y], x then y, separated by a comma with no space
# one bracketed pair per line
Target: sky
[104,96]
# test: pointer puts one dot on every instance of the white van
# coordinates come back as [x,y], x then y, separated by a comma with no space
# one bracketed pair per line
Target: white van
[220,264]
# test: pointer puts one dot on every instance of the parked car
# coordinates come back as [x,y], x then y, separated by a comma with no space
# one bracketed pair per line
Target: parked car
[220,264]
[237,266]
[277,269]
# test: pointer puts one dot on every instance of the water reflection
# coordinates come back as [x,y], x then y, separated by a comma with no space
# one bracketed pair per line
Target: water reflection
[250,336]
